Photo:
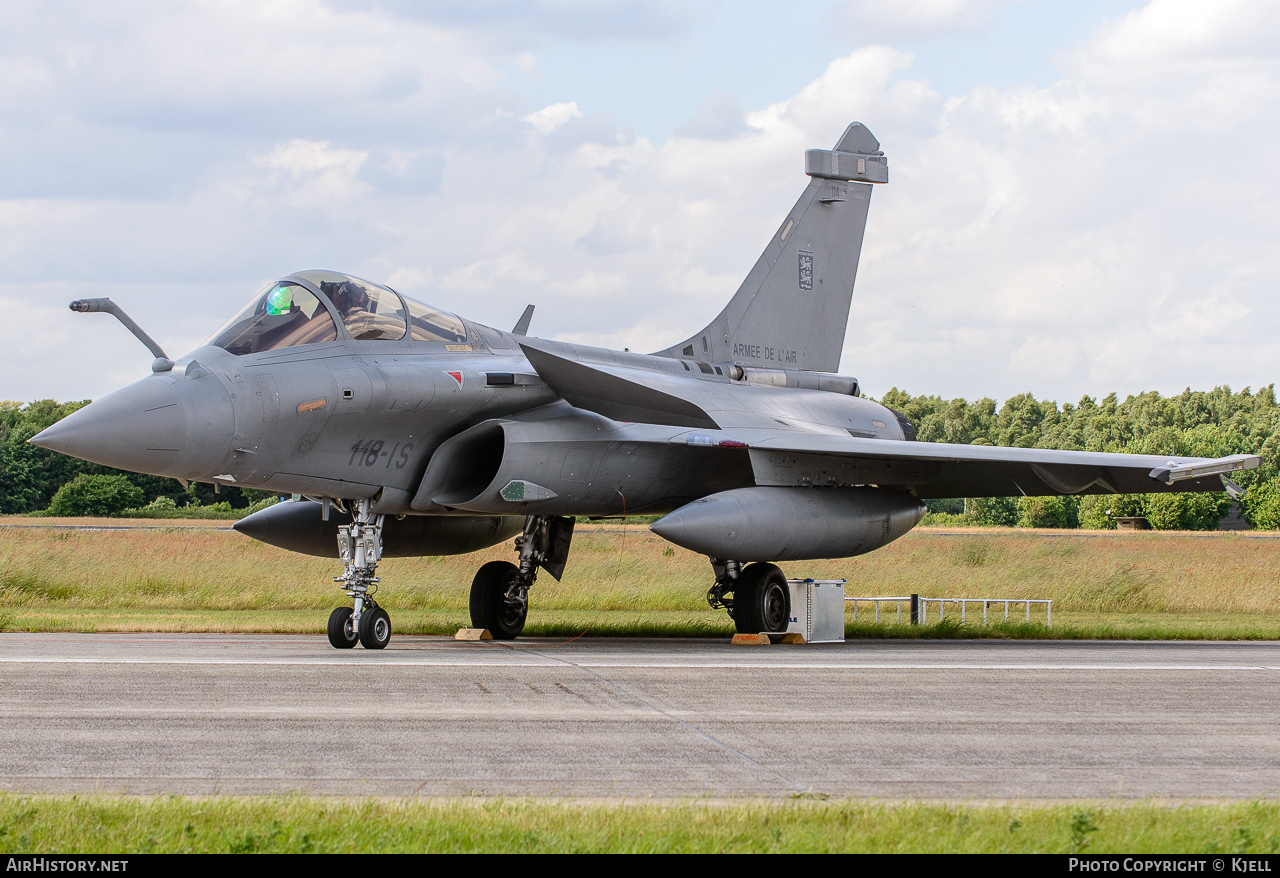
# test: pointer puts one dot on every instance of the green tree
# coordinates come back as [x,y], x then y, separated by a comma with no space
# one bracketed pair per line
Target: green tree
[1061,512]
[30,475]
[1187,511]
[93,494]
[1262,505]
[992,511]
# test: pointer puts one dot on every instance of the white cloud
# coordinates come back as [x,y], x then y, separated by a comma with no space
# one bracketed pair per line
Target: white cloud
[550,118]
[318,174]
[1186,32]
[507,22]
[877,21]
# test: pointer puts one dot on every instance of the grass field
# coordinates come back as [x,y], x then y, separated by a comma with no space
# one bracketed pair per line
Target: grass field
[193,576]
[99,824]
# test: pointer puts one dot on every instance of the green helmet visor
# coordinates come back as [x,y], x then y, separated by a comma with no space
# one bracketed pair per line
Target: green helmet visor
[280,299]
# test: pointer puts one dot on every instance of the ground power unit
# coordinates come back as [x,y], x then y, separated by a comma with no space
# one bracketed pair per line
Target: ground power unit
[817,610]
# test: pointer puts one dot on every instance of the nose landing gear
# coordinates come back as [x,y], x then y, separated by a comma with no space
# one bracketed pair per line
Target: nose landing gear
[360,548]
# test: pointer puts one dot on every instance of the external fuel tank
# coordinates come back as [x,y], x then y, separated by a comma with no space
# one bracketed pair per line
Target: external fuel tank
[791,524]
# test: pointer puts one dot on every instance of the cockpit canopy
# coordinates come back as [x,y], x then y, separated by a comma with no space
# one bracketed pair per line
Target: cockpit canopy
[301,309]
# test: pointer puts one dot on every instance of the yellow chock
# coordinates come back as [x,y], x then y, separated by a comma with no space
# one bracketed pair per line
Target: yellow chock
[793,637]
[751,640]
[473,634]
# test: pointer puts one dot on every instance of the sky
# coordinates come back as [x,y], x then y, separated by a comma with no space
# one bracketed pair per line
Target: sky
[1082,197]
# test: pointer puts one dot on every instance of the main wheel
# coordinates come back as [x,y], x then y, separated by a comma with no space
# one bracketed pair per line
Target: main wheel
[761,600]
[375,628]
[342,634]
[495,600]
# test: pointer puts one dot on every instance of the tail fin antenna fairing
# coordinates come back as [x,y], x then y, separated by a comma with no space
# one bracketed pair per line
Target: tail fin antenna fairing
[793,307]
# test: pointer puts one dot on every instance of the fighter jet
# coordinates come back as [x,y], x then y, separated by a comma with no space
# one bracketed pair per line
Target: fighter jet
[402,429]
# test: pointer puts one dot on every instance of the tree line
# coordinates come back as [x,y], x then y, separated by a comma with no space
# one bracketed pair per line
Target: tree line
[1211,423]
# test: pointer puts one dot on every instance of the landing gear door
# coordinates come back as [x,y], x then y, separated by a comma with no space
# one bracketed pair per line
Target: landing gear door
[556,552]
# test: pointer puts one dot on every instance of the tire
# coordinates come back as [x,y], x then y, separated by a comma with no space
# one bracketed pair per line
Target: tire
[761,600]
[375,629]
[489,606]
[342,634]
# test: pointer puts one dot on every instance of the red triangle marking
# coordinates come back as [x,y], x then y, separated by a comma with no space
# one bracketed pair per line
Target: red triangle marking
[456,376]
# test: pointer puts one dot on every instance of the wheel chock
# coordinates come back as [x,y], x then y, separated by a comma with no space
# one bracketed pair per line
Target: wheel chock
[751,640]
[473,634]
[794,637]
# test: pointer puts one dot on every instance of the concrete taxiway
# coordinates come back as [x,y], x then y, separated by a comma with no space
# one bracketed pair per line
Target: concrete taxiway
[200,714]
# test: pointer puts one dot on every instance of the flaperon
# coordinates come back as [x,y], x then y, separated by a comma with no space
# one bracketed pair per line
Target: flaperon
[407,430]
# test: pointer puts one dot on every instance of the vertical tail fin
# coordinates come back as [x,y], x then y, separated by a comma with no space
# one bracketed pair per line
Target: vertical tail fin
[792,309]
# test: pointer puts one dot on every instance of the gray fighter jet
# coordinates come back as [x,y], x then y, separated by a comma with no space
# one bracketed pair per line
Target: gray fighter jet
[406,430]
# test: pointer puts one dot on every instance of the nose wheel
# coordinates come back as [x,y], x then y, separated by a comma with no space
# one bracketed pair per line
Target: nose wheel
[342,631]
[375,629]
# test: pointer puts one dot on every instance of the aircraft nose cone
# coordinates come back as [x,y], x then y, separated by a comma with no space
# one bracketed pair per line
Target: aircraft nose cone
[141,428]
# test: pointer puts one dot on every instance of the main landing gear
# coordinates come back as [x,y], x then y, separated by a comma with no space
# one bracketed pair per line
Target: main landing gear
[360,548]
[757,596]
[500,590]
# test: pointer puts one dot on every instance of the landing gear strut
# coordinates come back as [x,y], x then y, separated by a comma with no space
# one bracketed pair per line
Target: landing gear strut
[360,548]
[727,573]
[500,590]
[760,601]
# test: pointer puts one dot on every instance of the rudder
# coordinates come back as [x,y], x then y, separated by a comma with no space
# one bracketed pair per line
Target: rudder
[792,309]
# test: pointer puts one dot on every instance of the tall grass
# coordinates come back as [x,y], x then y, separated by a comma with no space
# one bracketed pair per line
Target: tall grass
[626,580]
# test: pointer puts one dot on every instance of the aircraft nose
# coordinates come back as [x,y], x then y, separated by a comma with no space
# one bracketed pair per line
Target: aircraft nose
[151,426]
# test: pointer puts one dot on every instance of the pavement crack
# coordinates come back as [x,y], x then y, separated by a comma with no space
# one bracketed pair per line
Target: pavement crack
[567,690]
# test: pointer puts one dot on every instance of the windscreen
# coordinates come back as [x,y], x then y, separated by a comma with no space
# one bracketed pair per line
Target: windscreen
[285,315]
[428,324]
